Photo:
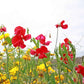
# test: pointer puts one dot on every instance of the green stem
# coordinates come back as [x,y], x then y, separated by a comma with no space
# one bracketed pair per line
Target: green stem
[56,40]
[46,70]
[7,62]
[19,67]
[59,72]
[19,58]
[7,58]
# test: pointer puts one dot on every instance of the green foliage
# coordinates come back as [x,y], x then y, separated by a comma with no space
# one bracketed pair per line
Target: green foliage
[8,39]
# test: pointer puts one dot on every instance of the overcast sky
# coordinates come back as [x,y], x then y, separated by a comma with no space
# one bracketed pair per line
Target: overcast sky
[40,16]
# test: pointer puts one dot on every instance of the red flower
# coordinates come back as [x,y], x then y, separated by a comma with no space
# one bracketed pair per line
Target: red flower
[70,54]
[19,30]
[33,52]
[74,79]
[47,43]
[66,40]
[64,26]
[42,39]
[3,29]
[80,70]
[40,52]
[63,44]
[17,40]
[65,60]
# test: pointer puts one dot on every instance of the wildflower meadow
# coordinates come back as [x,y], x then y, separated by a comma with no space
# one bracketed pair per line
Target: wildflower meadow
[35,65]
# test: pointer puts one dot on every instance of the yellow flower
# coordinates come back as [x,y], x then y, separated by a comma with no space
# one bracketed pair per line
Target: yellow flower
[51,70]
[41,67]
[0,74]
[6,35]
[3,64]
[69,82]
[57,77]
[52,54]
[1,37]
[57,82]
[0,79]
[34,47]
[17,63]
[7,81]
[48,63]
[13,71]
[4,43]
[61,77]
[0,57]
[13,78]
[9,50]
[28,51]
[3,77]
[4,49]
[68,69]
[1,54]
[27,57]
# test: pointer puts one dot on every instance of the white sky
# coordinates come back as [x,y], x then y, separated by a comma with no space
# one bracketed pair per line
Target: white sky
[40,16]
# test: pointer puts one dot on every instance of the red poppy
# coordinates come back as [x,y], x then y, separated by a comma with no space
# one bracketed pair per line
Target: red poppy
[70,54]
[64,26]
[80,69]
[3,29]
[42,39]
[19,30]
[65,60]
[40,52]
[33,52]
[63,44]
[17,40]
[66,40]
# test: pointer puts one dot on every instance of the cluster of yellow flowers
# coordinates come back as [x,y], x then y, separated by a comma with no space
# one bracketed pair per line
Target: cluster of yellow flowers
[57,78]
[26,57]
[42,67]
[4,36]
[3,79]
[13,71]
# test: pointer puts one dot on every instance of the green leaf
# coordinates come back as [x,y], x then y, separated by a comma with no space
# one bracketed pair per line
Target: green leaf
[52,78]
[8,39]
[27,31]
[68,57]
[73,51]
[38,43]
[64,65]
[71,80]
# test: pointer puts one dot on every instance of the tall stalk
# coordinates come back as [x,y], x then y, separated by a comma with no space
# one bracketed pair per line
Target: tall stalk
[19,67]
[56,41]
[7,59]
[19,58]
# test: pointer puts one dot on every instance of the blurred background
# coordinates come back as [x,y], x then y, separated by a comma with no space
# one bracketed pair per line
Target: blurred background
[40,16]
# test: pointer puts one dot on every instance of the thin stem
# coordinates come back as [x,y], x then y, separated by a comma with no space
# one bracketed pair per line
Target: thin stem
[19,67]
[19,58]
[56,39]
[46,70]
[7,58]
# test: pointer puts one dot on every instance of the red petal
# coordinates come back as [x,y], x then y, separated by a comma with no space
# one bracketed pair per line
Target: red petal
[47,43]
[27,37]
[19,30]
[33,52]
[64,26]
